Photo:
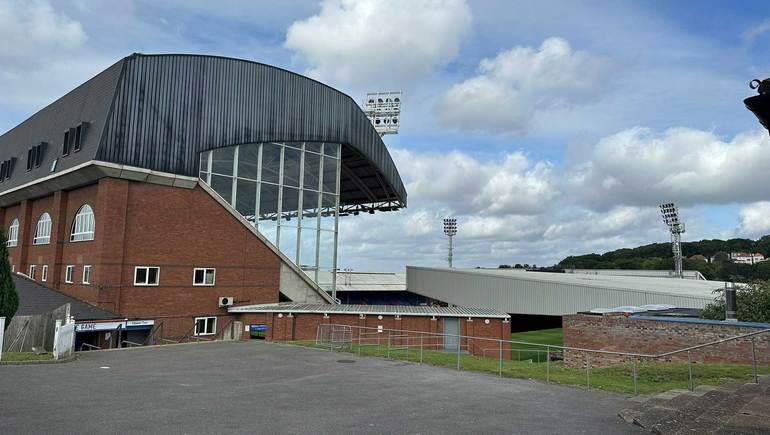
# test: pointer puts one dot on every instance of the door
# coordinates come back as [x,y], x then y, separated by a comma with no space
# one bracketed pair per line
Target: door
[452,329]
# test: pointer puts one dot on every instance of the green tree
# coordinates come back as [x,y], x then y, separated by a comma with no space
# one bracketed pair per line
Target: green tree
[753,303]
[9,299]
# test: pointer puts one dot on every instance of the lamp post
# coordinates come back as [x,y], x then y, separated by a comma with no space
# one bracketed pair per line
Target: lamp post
[450,229]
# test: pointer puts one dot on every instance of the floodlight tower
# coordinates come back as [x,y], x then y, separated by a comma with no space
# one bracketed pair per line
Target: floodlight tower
[384,111]
[450,229]
[670,214]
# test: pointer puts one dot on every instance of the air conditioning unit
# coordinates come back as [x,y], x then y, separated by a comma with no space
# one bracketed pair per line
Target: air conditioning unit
[225,301]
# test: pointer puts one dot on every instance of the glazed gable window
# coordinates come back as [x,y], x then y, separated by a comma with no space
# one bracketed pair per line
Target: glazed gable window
[84,224]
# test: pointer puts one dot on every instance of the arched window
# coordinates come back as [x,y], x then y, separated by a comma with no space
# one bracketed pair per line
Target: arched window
[83,225]
[13,233]
[43,231]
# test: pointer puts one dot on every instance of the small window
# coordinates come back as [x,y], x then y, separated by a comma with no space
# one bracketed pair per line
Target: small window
[146,275]
[43,231]
[83,225]
[205,325]
[87,274]
[32,271]
[204,276]
[78,138]
[69,274]
[13,234]
[44,276]
[65,149]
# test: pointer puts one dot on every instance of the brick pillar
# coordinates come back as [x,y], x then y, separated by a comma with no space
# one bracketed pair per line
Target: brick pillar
[110,213]
[469,331]
[362,324]
[59,236]
[25,235]
[397,326]
[289,327]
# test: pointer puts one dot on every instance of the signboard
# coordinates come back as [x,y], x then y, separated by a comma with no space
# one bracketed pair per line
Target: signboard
[97,326]
[138,323]
[257,328]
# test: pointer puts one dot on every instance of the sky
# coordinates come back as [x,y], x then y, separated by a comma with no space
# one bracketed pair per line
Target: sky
[547,128]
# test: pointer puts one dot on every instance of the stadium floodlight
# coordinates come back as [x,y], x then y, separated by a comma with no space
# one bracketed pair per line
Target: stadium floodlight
[384,111]
[670,214]
[450,229]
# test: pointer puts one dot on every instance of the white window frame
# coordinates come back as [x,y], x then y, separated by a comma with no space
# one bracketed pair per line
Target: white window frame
[83,225]
[87,275]
[206,322]
[44,273]
[69,274]
[146,282]
[13,234]
[43,230]
[204,283]
[32,271]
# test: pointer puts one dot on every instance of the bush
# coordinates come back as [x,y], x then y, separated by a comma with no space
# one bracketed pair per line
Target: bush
[9,299]
[753,303]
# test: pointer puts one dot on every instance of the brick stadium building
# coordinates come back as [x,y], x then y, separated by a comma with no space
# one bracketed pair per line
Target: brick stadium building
[169,187]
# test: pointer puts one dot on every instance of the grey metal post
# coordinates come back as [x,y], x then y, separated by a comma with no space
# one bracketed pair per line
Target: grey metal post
[754,360]
[588,370]
[420,348]
[359,341]
[331,340]
[500,367]
[388,354]
[407,346]
[633,374]
[459,343]
[689,369]
[548,365]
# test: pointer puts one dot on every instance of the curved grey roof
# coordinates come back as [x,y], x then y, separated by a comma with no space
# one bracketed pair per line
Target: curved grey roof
[159,112]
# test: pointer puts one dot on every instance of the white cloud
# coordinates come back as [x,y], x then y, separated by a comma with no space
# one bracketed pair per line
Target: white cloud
[393,41]
[462,183]
[689,166]
[754,219]
[33,33]
[756,31]
[511,88]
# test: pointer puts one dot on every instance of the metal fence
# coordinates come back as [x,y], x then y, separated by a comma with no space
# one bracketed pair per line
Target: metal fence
[417,345]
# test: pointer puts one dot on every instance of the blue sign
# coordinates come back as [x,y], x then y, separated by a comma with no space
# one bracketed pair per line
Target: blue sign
[257,328]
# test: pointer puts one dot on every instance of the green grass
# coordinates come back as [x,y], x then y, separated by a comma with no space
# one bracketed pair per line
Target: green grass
[523,352]
[26,356]
[652,377]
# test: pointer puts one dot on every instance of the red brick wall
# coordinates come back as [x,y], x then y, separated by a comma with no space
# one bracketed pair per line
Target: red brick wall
[142,224]
[304,327]
[621,334]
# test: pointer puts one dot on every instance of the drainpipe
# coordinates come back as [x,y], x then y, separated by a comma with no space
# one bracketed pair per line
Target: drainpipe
[730,303]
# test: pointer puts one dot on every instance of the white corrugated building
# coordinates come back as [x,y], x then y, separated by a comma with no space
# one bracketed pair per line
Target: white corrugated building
[516,291]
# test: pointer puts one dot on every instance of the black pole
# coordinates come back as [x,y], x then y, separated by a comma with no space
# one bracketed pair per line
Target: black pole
[731,314]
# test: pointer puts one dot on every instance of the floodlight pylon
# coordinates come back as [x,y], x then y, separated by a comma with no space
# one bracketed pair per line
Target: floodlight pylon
[450,230]
[670,213]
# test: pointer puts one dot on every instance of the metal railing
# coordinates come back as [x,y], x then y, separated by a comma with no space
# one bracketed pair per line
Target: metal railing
[341,337]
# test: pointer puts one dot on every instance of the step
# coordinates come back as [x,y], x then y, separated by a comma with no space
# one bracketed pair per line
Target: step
[686,414]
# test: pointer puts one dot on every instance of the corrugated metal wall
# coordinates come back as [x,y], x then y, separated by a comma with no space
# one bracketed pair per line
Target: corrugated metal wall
[515,296]
[193,103]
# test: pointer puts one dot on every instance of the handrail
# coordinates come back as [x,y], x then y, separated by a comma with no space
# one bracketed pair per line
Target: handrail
[724,340]
[131,343]
[633,357]
[555,346]
[90,346]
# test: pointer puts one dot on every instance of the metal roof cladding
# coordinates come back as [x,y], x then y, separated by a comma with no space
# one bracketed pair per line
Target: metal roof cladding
[158,112]
[388,310]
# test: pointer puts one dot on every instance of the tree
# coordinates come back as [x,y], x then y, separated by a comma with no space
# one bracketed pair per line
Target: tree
[9,299]
[753,303]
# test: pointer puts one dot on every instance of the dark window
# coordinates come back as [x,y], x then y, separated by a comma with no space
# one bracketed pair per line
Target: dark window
[39,151]
[65,149]
[2,171]
[30,157]
[78,136]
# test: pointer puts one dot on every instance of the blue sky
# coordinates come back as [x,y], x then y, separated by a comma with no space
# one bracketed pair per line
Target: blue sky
[548,128]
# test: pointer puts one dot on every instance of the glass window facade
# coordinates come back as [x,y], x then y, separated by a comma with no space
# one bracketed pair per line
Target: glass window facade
[289,192]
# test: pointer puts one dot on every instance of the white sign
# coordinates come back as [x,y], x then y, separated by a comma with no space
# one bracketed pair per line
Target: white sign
[97,326]
[139,323]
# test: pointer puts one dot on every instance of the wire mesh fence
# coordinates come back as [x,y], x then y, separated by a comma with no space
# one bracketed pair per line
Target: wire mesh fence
[626,372]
